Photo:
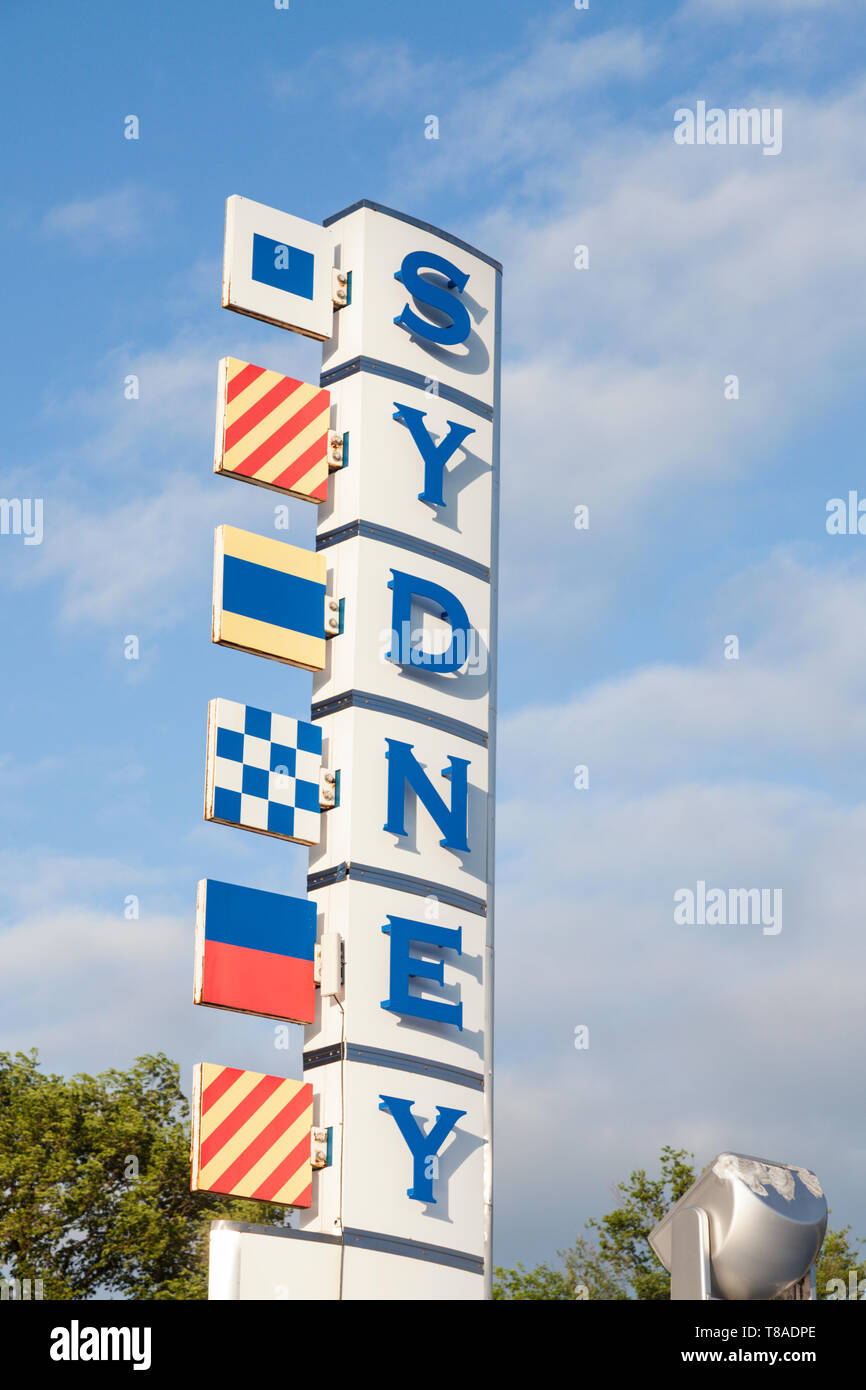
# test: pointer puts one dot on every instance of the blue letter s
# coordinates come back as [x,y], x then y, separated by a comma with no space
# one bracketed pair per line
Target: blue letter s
[458,330]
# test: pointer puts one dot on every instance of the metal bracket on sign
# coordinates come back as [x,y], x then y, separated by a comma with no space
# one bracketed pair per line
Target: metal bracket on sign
[329,790]
[321,1147]
[334,610]
[339,288]
[336,457]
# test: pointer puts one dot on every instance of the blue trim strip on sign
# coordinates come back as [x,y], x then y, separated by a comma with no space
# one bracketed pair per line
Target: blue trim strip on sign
[371,531]
[401,709]
[414,222]
[395,1061]
[364,1240]
[401,883]
[406,378]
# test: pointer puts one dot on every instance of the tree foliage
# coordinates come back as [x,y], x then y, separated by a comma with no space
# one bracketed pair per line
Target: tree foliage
[94,1183]
[837,1259]
[614,1260]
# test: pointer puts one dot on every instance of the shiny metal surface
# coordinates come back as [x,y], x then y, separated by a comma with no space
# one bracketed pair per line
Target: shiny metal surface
[766,1224]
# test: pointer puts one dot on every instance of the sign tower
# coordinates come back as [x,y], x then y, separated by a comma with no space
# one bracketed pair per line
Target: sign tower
[384,1146]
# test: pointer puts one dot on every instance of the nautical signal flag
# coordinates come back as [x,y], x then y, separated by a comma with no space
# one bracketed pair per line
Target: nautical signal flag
[263,772]
[269,598]
[251,1135]
[254,951]
[277,267]
[272,430]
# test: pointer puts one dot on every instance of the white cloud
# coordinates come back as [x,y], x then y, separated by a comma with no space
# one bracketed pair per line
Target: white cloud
[118,218]
[710,1038]
[144,555]
[93,989]
[704,262]
[374,76]
[798,655]
[137,561]
[556,62]
[706,1037]
[614,381]
[175,409]
[735,9]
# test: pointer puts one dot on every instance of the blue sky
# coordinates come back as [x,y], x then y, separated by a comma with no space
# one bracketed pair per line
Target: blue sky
[707,518]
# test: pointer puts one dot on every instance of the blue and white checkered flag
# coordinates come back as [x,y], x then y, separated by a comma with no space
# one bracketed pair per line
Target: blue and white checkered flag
[263,772]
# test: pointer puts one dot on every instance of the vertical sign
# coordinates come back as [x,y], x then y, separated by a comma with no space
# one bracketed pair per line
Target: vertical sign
[400,1051]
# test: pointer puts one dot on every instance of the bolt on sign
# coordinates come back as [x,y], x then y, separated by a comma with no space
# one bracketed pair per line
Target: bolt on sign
[388,776]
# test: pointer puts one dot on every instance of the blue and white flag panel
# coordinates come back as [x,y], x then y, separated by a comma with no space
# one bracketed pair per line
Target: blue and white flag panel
[414,975]
[420,801]
[404,268]
[437,487]
[263,772]
[417,631]
[277,267]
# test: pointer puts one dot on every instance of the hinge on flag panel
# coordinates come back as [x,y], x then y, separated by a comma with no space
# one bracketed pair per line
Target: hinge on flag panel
[341,281]
[329,790]
[334,610]
[321,1147]
[336,454]
[328,964]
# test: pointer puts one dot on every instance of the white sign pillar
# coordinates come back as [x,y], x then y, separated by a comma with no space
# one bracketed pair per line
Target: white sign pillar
[400,1054]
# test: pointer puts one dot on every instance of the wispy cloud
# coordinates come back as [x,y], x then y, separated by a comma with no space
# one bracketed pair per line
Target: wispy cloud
[795,623]
[119,218]
[702,771]
[139,562]
[735,9]
[93,988]
[132,505]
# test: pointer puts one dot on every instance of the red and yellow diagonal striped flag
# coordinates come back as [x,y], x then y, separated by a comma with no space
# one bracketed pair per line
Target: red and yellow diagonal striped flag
[272,430]
[251,1135]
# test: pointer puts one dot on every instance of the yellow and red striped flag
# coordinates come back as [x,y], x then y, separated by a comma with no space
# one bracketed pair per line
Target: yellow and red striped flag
[251,1135]
[272,430]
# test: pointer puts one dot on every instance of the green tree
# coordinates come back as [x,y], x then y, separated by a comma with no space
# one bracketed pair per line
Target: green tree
[837,1259]
[94,1183]
[614,1260]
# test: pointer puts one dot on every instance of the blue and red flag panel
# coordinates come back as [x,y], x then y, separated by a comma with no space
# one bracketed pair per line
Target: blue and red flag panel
[255,951]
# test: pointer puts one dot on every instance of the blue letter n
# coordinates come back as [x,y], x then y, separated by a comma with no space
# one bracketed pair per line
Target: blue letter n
[452,820]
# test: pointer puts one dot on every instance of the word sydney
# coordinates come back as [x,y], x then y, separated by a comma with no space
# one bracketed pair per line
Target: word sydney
[739,126]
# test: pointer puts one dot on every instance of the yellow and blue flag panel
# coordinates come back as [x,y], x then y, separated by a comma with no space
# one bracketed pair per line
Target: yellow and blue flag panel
[269,598]
[272,430]
[251,1135]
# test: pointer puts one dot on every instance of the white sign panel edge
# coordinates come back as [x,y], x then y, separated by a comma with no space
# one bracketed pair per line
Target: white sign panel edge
[310,314]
